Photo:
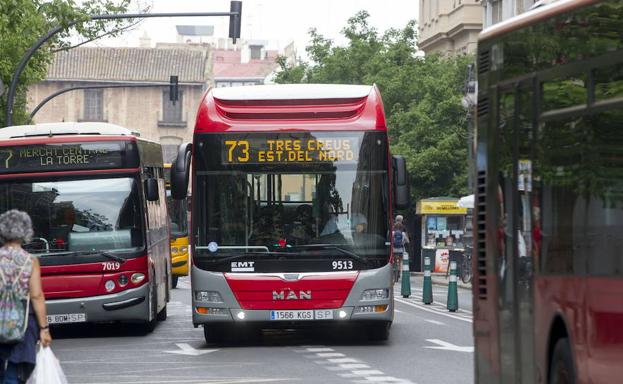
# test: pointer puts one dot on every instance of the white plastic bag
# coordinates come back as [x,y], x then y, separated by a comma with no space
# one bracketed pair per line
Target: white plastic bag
[48,369]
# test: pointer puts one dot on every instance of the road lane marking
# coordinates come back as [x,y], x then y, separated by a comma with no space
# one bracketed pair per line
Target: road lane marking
[342,361]
[351,368]
[320,350]
[382,379]
[345,367]
[434,322]
[219,380]
[442,307]
[445,346]
[435,304]
[418,306]
[187,349]
[368,372]
[330,354]
[348,375]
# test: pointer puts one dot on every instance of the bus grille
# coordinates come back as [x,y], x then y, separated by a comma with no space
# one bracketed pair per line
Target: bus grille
[481,236]
[483,107]
[483,62]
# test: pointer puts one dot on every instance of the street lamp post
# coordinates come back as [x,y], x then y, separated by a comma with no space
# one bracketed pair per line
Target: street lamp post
[234,33]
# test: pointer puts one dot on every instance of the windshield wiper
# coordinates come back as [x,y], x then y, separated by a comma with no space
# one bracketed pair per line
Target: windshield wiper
[103,253]
[243,255]
[334,247]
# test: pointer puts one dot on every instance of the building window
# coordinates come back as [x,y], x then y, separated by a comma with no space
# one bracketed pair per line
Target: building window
[256,52]
[93,105]
[172,113]
[496,12]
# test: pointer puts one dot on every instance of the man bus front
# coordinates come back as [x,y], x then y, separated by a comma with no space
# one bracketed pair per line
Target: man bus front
[291,208]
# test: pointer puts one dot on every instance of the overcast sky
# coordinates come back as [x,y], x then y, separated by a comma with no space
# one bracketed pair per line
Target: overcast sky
[278,21]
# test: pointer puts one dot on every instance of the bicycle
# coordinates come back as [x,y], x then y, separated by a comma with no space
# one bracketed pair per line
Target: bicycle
[464,268]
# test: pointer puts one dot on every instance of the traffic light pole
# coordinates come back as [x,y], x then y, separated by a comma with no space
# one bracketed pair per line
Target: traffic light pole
[234,33]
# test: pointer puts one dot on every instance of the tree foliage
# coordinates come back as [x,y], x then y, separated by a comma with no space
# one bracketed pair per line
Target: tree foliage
[23,22]
[422,97]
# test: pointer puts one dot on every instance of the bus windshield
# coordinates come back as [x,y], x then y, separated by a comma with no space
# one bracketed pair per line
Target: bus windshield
[316,205]
[77,216]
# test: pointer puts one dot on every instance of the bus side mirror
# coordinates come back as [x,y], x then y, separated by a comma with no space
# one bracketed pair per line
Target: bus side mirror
[402,196]
[180,172]
[151,189]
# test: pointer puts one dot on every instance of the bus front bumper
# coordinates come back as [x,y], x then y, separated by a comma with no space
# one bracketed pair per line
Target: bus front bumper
[128,305]
[267,318]
[226,309]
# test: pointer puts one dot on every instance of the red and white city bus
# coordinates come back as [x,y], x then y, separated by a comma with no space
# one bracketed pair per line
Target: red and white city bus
[548,260]
[292,194]
[96,196]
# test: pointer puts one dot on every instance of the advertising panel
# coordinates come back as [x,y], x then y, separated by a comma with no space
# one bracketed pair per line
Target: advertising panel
[442,260]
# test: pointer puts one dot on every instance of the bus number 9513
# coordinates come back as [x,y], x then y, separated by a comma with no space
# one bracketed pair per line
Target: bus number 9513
[342,265]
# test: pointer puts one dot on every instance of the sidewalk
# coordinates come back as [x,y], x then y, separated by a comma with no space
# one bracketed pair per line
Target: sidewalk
[440,279]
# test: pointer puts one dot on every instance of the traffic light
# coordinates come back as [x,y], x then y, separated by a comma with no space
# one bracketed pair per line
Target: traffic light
[235,20]
[173,89]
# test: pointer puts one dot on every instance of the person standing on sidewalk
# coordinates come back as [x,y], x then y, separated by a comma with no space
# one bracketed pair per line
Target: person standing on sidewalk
[399,240]
[21,271]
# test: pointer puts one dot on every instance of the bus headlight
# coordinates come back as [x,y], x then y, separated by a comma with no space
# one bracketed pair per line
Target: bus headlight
[183,249]
[375,294]
[137,278]
[175,250]
[208,296]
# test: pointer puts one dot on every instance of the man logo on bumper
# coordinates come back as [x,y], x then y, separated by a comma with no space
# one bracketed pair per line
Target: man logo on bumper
[291,295]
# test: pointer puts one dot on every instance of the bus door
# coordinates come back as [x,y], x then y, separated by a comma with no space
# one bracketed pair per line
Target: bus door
[604,220]
[515,216]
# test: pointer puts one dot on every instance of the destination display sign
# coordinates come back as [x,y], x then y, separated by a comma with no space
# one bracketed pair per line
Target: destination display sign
[63,156]
[291,149]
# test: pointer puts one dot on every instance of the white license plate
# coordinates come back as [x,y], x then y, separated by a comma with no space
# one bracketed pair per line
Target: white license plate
[321,314]
[67,318]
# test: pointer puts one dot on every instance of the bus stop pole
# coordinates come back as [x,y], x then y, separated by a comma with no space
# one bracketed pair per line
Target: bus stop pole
[405,287]
[453,297]
[427,291]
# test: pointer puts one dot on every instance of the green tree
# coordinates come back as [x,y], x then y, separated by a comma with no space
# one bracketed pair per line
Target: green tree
[23,22]
[422,97]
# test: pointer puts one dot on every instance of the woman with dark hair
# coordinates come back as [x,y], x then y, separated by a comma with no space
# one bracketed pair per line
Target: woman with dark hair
[22,271]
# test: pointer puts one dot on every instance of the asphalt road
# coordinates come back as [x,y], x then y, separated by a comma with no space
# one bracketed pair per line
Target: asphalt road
[427,344]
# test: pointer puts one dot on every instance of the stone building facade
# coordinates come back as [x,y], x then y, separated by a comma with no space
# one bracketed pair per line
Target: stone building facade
[496,11]
[449,26]
[146,110]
